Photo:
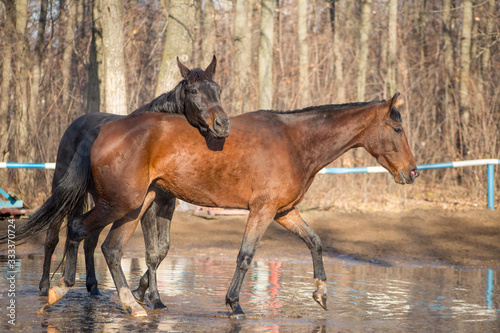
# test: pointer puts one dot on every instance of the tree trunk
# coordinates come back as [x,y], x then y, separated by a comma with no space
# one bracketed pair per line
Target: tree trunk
[208,35]
[8,41]
[449,73]
[96,84]
[303,45]
[337,50]
[465,57]
[266,55]
[422,25]
[365,25]
[70,18]
[114,60]
[488,41]
[241,62]
[178,43]
[21,145]
[21,74]
[392,39]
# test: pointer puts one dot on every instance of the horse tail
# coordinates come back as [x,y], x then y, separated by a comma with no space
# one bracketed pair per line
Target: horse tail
[66,196]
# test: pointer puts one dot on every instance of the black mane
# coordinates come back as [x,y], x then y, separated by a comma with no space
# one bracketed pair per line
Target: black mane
[328,107]
[165,103]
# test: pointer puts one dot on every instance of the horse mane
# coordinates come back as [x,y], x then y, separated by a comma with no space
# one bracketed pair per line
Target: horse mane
[395,115]
[328,107]
[167,102]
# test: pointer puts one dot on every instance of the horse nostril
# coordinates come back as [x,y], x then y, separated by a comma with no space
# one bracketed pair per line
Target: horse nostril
[217,122]
[414,173]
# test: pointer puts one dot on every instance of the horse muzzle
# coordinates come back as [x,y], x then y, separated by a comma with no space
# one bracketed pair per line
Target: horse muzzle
[407,179]
[221,126]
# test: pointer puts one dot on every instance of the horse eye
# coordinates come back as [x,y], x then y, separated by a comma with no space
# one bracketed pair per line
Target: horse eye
[193,91]
[397,130]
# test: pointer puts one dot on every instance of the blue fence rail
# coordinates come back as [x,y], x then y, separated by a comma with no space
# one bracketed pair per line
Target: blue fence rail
[490,163]
[490,171]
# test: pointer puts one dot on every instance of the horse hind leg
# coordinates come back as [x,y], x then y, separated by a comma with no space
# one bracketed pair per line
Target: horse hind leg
[112,249]
[78,228]
[293,222]
[51,241]
[89,246]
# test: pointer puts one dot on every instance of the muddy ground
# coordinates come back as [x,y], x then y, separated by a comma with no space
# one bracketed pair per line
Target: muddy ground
[470,238]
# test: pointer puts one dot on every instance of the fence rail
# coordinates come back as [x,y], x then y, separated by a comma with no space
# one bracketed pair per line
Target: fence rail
[490,171]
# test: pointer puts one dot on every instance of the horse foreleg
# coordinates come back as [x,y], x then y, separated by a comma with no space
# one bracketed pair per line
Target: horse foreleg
[112,249]
[148,224]
[293,222]
[156,229]
[257,224]
[89,247]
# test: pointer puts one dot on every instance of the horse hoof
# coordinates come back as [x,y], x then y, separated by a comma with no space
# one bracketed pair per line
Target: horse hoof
[139,313]
[44,292]
[53,297]
[94,291]
[159,305]
[237,316]
[138,297]
[320,299]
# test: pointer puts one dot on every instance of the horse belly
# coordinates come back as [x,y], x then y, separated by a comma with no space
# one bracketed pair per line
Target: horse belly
[204,192]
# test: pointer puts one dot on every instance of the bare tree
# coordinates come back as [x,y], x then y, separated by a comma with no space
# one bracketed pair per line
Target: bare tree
[241,61]
[114,61]
[303,45]
[337,50]
[363,48]
[208,40]
[465,56]
[266,55]
[69,16]
[96,73]
[8,41]
[489,39]
[178,42]
[392,39]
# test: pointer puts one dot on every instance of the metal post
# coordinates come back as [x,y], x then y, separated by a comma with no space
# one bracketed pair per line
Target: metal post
[490,171]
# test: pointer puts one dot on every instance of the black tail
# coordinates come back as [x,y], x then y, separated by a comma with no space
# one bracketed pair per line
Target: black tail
[71,190]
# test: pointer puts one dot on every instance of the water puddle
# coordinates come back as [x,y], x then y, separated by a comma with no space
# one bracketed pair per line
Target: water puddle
[276,297]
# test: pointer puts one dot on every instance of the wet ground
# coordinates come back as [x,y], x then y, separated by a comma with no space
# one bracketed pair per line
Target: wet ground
[437,283]
[276,296]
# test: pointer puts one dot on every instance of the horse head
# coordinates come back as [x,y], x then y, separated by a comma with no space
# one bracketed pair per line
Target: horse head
[201,96]
[387,142]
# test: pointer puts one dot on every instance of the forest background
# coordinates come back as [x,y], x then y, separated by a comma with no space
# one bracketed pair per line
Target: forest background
[62,59]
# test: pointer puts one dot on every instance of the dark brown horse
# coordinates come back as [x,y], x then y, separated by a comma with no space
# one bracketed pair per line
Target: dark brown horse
[266,165]
[197,97]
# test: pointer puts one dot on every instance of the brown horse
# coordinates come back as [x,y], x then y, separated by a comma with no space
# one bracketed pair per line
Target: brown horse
[265,165]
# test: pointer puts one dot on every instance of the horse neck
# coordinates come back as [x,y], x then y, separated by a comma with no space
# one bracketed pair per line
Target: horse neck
[165,103]
[324,135]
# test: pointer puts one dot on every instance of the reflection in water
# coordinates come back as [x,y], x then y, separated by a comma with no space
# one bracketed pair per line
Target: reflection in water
[276,296]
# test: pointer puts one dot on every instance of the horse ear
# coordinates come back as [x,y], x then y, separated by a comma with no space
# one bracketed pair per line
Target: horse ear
[184,70]
[394,100]
[211,68]
[392,112]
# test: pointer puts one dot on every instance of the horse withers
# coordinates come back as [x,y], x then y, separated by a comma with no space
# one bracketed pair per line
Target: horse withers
[265,165]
